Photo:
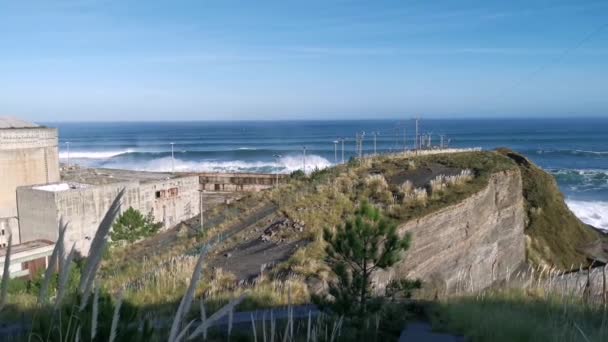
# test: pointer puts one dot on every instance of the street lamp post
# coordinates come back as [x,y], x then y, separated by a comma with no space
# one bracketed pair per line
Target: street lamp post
[304,158]
[202,218]
[68,144]
[172,159]
[276,158]
[335,151]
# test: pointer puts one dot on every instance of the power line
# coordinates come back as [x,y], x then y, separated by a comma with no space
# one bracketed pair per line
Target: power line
[558,58]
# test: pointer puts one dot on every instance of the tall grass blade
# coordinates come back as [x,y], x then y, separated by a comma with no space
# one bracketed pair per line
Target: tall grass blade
[56,255]
[217,315]
[253,330]
[77,336]
[264,325]
[308,326]
[230,318]
[6,272]
[186,302]
[581,332]
[115,318]
[272,327]
[64,276]
[203,317]
[184,331]
[97,249]
[95,312]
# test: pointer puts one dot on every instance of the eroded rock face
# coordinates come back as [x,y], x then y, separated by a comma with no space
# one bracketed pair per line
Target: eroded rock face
[468,246]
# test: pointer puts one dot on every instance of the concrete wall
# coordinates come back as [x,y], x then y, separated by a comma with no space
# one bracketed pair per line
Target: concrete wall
[234,182]
[84,207]
[468,246]
[27,156]
[37,214]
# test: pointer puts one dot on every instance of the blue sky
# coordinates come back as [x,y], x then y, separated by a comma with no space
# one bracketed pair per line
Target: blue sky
[221,60]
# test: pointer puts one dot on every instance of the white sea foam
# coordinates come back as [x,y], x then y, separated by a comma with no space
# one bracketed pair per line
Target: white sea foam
[286,164]
[593,213]
[92,154]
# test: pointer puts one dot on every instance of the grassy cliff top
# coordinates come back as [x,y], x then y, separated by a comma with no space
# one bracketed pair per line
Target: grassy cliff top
[554,233]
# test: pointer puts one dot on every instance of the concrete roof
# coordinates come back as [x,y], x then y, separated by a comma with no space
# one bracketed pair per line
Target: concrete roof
[26,246]
[7,122]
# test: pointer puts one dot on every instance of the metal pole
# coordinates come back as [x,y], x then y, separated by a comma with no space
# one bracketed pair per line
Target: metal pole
[335,151]
[342,150]
[202,219]
[172,159]
[375,133]
[404,140]
[68,143]
[417,145]
[276,158]
[304,158]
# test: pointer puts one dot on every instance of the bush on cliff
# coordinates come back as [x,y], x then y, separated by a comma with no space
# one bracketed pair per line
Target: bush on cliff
[132,225]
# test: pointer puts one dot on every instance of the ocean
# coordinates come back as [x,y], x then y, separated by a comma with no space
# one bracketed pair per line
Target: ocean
[575,151]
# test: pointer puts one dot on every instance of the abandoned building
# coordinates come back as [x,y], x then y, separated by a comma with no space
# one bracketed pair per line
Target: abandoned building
[35,194]
[84,196]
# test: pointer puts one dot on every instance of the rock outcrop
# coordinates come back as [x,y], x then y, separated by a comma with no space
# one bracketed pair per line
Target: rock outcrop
[467,246]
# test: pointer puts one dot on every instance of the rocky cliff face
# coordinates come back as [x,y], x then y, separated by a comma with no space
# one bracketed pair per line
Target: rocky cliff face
[468,246]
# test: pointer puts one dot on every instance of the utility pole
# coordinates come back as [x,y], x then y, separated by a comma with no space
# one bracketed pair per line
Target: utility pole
[361,145]
[304,158]
[342,150]
[335,151]
[202,219]
[276,159]
[375,134]
[172,159]
[68,144]
[417,118]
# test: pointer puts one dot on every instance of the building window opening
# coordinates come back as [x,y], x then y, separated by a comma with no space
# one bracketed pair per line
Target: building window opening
[158,194]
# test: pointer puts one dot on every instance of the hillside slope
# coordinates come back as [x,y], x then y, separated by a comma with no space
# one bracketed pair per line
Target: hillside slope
[554,233]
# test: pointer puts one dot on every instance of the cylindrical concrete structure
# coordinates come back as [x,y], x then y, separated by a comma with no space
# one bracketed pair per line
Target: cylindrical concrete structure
[28,155]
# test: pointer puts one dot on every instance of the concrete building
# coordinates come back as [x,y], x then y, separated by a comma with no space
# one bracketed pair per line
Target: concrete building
[28,259]
[237,182]
[28,155]
[84,196]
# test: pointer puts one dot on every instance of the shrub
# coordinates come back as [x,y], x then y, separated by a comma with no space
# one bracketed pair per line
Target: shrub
[132,226]
[364,244]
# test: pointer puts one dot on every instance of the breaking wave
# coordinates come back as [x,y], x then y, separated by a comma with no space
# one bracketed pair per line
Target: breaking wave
[92,154]
[581,180]
[286,164]
[572,152]
[592,213]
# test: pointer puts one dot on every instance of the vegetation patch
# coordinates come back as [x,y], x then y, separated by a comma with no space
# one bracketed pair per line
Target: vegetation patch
[555,233]
[518,315]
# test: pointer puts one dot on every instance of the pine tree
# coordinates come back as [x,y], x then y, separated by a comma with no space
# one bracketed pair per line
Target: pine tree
[355,250]
[132,225]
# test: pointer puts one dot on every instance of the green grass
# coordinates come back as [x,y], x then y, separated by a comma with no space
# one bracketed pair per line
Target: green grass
[514,315]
